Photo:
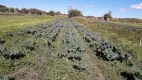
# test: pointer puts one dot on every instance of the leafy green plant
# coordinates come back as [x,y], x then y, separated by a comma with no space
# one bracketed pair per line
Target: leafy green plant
[137,72]
[72,47]
[2,41]
[103,48]
[5,77]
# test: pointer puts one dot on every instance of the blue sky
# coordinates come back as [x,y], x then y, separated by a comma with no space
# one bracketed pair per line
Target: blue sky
[119,8]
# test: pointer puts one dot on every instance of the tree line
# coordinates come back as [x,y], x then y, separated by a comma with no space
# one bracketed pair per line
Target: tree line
[71,12]
[27,11]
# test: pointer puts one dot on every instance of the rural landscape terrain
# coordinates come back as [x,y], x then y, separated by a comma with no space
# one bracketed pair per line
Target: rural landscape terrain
[41,45]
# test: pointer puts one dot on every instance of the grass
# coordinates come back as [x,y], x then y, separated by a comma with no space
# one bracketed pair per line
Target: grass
[127,24]
[12,22]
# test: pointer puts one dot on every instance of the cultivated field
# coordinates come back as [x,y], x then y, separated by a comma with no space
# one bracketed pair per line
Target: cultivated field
[125,35]
[67,49]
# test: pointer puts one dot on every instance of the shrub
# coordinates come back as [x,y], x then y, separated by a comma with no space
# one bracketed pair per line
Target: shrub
[11,10]
[24,10]
[51,13]
[39,12]
[74,12]
[58,13]
[107,16]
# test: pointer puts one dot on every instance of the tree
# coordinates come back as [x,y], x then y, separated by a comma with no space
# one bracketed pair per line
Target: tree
[58,13]
[2,6]
[74,12]
[39,12]
[35,11]
[51,13]
[107,16]
[4,9]
[32,11]
[24,10]
[17,10]
[11,10]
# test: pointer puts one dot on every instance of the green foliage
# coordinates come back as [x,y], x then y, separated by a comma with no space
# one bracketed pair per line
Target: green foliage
[5,77]
[72,49]
[58,13]
[32,11]
[51,13]
[24,10]
[137,72]
[74,12]
[127,20]
[11,54]
[103,48]
[4,9]
[2,41]
[2,6]
[39,12]
[11,10]
[72,46]
[35,11]
[107,16]
[27,41]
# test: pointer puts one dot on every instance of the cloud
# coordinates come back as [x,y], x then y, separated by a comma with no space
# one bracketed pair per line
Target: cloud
[89,6]
[122,9]
[136,6]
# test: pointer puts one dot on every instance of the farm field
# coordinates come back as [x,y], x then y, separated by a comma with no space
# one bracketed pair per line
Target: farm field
[12,22]
[62,49]
[118,34]
[70,40]
[126,36]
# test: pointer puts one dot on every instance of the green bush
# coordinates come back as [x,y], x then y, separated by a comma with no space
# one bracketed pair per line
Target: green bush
[24,10]
[74,12]
[12,10]
[51,13]
[39,12]
[107,16]
[58,13]
[5,9]
[137,72]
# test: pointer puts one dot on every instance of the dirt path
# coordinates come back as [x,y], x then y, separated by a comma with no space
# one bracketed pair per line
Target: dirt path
[92,68]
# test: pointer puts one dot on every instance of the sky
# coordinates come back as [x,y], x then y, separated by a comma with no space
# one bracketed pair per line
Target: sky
[119,8]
